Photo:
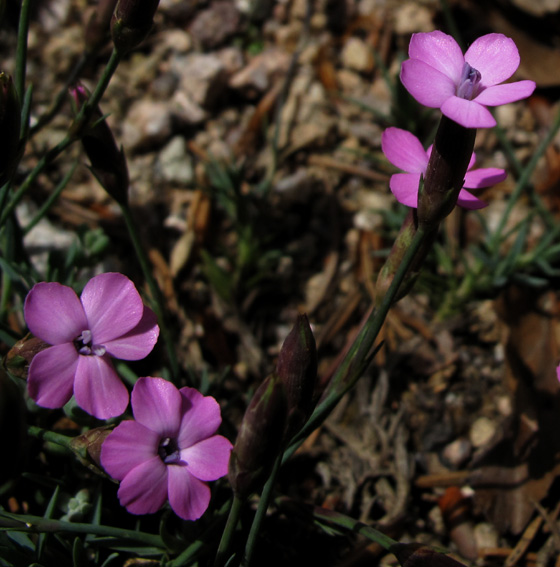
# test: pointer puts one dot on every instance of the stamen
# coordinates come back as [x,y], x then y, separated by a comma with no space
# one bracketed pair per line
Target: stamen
[169,453]
[469,85]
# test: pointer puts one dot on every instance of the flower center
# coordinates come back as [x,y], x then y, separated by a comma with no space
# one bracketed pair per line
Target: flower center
[169,453]
[469,84]
[84,345]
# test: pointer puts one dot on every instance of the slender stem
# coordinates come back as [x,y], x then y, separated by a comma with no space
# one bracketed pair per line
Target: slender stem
[264,502]
[36,524]
[21,53]
[157,297]
[229,530]
[50,436]
[357,359]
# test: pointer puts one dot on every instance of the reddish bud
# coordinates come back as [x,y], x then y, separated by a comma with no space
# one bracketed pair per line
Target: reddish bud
[108,163]
[445,175]
[87,447]
[131,22]
[10,118]
[297,369]
[19,357]
[259,439]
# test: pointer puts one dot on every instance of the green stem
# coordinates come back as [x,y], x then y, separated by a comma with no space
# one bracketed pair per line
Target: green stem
[157,297]
[264,502]
[21,53]
[36,524]
[80,122]
[358,357]
[229,530]
[51,437]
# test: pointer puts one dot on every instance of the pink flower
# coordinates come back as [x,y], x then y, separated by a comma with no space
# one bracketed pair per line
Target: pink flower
[405,151]
[439,76]
[169,452]
[109,320]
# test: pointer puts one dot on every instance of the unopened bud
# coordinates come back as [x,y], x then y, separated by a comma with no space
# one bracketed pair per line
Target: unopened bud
[87,447]
[297,369]
[259,440]
[131,22]
[19,357]
[108,162]
[97,30]
[445,174]
[419,555]
[10,125]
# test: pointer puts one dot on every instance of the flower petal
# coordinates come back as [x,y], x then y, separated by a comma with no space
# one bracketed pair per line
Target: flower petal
[404,150]
[208,460]
[503,94]
[404,187]
[156,404]
[495,56]
[438,50]
[98,389]
[201,417]
[144,489]
[51,375]
[137,343]
[112,305]
[467,113]
[484,177]
[427,85]
[469,201]
[54,313]
[127,446]
[188,496]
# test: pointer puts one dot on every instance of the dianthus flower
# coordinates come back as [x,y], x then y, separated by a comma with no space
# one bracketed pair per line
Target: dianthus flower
[405,151]
[438,76]
[108,320]
[169,452]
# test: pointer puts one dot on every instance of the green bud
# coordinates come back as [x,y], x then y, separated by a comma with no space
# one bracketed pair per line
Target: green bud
[97,29]
[297,369]
[10,124]
[131,22]
[108,162]
[260,437]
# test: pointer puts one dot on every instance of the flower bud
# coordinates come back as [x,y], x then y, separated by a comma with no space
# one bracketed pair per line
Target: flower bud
[97,28]
[445,175]
[108,163]
[13,432]
[297,369]
[419,555]
[259,439]
[19,357]
[87,447]
[10,117]
[131,22]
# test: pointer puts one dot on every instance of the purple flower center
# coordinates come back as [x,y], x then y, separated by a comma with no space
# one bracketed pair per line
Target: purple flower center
[84,345]
[169,453]
[469,84]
